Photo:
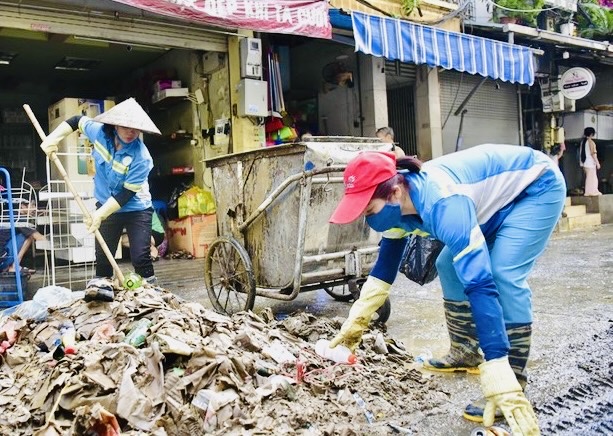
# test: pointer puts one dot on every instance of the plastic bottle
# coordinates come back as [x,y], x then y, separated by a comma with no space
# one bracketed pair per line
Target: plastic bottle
[136,337]
[423,357]
[338,354]
[132,281]
[68,333]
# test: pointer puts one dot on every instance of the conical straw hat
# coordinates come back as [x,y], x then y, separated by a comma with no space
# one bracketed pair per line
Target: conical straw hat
[129,114]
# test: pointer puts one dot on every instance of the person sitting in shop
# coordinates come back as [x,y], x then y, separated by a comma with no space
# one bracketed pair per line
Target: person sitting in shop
[386,134]
[122,164]
[24,237]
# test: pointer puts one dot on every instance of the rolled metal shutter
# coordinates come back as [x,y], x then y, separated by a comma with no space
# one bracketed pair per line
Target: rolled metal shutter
[492,112]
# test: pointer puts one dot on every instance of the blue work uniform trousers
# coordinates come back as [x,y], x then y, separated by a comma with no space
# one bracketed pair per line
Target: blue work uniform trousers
[519,241]
[138,228]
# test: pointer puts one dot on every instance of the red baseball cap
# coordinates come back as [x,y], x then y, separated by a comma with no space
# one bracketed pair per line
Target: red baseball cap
[361,177]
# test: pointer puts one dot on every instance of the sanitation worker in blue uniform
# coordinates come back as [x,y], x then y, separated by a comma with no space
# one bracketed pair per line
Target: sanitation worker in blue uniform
[121,186]
[494,207]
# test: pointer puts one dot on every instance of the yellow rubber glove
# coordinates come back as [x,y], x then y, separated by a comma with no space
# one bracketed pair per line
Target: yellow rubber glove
[373,295]
[502,391]
[109,207]
[49,145]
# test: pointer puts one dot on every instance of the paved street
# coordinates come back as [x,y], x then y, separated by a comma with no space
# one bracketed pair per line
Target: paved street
[570,363]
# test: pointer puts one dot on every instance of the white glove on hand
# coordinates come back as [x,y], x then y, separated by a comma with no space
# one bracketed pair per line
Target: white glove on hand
[373,295]
[49,145]
[108,208]
[502,391]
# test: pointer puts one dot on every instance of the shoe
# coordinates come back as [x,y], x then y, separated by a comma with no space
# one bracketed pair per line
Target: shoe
[99,289]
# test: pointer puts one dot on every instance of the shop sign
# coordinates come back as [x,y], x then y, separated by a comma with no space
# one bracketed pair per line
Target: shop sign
[299,17]
[577,82]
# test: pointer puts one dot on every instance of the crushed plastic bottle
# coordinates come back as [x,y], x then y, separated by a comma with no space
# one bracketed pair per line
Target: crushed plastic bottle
[362,404]
[338,354]
[136,337]
[132,281]
[489,431]
[69,334]
[423,357]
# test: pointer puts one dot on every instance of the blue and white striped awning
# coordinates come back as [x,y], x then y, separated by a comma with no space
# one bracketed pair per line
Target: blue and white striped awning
[396,39]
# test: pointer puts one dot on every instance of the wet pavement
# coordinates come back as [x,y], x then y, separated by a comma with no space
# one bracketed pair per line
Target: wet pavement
[571,362]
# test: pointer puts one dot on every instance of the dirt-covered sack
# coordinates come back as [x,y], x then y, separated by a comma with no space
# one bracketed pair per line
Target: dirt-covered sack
[419,259]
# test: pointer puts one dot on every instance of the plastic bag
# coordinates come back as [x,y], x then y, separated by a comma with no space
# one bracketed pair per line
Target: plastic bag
[196,201]
[419,258]
[52,295]
[28,310]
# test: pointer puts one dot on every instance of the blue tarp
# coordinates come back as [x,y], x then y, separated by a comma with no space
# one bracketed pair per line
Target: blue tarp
[340,19]
[396,39]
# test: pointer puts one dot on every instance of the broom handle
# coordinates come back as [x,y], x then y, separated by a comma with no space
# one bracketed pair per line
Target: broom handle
[53,157]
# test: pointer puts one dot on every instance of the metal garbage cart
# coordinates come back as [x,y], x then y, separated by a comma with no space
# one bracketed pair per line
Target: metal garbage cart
[273,206]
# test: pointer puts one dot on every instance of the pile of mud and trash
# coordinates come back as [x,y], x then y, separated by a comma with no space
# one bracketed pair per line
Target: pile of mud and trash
[149,362]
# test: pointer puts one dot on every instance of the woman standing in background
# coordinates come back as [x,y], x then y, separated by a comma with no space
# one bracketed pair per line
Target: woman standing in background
[589,161]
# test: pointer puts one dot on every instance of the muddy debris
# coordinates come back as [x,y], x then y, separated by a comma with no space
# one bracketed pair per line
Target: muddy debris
[200,372]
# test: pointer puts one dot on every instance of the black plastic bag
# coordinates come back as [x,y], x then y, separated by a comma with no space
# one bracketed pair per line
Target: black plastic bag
[419,258]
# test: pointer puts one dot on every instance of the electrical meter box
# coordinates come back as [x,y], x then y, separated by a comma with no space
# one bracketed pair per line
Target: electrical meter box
[251,58]
[252,98]
[551,97]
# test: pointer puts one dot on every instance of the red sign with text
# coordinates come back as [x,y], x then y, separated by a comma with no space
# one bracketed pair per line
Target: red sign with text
[299,17]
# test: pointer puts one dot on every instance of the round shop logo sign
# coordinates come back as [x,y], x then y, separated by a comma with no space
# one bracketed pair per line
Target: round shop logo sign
[577,82]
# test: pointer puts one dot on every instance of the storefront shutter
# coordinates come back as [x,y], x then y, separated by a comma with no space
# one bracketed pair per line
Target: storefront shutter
[492,112]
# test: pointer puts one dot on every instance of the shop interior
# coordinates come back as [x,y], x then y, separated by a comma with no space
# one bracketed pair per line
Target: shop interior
[314,87]
[313,90]
[41,70]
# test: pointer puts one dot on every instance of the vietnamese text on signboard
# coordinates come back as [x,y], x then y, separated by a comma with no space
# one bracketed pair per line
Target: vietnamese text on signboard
[300,17]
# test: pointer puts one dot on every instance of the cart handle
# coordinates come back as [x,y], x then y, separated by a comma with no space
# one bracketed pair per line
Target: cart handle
[274,194]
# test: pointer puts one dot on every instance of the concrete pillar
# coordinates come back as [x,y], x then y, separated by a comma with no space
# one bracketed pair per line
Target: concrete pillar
[374,93]
[428,113]
[245,134]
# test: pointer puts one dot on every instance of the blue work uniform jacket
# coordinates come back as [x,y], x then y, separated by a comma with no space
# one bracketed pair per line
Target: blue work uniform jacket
[462,199]
[127,168]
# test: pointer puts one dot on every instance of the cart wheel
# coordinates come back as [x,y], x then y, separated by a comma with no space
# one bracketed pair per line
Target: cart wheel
[340,293]
[383,313]
[346,292]
[228,276]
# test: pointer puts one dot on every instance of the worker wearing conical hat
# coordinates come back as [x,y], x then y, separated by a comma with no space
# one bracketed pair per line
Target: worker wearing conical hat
[122,164]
